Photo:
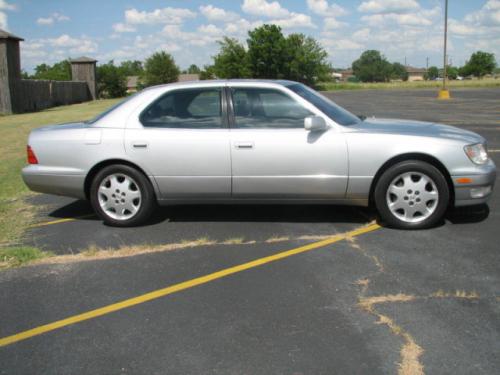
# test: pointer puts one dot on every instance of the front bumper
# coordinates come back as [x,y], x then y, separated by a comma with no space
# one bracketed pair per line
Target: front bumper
[474,188]
[56,181]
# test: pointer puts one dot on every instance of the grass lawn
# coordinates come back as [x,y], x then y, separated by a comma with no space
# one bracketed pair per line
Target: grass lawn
[331,86]
[15,214]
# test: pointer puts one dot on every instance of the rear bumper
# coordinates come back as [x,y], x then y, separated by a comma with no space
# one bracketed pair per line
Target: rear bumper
[68,183]
[478,190]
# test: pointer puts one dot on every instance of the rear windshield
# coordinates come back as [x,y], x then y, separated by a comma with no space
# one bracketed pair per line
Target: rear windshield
[109,110]
[335,112]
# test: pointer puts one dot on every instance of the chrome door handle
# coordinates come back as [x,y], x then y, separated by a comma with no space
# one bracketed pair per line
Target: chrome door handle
[244,145]
[139,145]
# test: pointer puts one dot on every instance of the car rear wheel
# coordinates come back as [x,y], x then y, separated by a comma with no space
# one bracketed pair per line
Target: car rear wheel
[122,196]
[412,195]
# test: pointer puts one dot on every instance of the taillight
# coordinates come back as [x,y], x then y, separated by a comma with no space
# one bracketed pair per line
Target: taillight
[31,156]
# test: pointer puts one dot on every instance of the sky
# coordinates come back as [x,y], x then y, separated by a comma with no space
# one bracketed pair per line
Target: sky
[403,30]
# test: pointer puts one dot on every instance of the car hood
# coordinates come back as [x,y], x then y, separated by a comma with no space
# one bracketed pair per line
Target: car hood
[416,128]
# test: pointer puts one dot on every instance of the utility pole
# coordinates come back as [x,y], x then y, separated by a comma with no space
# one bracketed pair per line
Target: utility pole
[444,94]
[445,41]
[427,63]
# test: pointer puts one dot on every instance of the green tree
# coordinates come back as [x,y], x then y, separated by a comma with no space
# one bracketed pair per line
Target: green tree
[372,67]
[399,72]
[207,72]
[132,68]
[160,68]
[60,71]
[25,75]
[479,64]
[306,60]
[267,52]
[452,72]
[271,55]
[231,61]
[193,69]
[111,81]
[432,73]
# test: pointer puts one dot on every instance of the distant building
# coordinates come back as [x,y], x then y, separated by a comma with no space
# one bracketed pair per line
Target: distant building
[346,74]
[336,76]
[188,77]
[415,74]
[132,83]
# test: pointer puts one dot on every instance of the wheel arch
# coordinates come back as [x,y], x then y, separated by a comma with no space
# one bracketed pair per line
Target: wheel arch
[413,156]
[102,164]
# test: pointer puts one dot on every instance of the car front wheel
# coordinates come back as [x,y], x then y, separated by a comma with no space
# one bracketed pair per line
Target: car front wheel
[412,195]
[122,196]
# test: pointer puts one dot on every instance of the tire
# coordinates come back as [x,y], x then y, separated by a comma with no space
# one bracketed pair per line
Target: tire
[412,195]
[122,196]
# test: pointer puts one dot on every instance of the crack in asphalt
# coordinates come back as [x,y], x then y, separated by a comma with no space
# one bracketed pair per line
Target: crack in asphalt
[410,352]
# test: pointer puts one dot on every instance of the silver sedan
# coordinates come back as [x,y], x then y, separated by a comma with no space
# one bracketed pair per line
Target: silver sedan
[245,141]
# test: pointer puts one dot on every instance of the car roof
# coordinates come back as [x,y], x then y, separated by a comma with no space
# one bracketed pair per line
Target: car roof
[210,82]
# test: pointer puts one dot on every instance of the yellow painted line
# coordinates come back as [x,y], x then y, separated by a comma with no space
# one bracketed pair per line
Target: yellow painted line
[60,221]
[179,287]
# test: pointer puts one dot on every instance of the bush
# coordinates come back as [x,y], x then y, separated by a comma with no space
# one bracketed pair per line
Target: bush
[306,60]
[399,72]
[160,68]
[111,81]
[432,73]
[60,71]
[232,60]
[479,64]
[372,66]
[193,69]
[266,52]
[131,68]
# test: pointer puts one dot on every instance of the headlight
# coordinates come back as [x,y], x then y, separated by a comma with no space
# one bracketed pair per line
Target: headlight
[477,153]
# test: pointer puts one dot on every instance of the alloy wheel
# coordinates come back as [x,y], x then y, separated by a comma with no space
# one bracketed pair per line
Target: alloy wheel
[412,197]
[119,196]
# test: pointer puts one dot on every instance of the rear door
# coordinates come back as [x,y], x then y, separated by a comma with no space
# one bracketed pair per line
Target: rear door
[183,140]
[274,157]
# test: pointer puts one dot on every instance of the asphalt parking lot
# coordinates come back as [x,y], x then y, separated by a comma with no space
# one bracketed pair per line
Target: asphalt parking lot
[290,289]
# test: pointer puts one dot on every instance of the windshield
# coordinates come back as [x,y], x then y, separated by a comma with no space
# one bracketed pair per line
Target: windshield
[336,113]
[109,110]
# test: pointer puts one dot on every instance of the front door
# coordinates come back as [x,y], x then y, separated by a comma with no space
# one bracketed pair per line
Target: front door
[274,157]
[183,140]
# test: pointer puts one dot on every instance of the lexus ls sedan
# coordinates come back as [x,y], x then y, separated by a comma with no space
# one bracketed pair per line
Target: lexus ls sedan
[257,141]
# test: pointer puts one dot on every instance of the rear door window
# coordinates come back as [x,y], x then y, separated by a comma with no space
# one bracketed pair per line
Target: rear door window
[185,109]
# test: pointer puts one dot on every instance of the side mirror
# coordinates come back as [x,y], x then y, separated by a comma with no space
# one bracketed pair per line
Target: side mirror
[315,123]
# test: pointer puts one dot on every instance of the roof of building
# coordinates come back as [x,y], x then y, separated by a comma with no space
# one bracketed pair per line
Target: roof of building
[83,59]
[132,81]
[412,69]
[188,77]
[5,35]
